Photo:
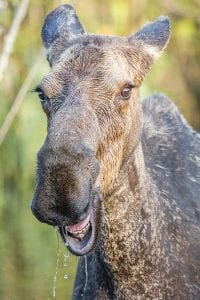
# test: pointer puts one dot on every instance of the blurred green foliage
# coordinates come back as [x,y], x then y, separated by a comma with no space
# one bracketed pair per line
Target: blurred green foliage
[28,249]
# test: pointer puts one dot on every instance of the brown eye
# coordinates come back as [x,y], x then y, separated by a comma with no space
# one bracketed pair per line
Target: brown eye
[126,92]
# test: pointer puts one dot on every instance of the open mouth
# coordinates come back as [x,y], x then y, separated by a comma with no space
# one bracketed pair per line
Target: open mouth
[80,238]
[80,229]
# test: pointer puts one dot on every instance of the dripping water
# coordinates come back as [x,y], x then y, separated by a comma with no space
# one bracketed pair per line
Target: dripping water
[57,264]
[66,256]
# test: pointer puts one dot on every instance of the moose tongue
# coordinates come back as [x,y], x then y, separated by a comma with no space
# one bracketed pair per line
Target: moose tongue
[79,226]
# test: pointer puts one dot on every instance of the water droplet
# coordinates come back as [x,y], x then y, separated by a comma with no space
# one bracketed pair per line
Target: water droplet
[66,254]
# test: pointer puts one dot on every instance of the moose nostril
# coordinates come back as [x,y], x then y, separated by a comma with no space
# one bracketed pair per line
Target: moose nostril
[45,216]
[52,222]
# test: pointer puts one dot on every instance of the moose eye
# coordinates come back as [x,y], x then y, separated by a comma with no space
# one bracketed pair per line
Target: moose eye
[41,95]
[126,92]
[46,105]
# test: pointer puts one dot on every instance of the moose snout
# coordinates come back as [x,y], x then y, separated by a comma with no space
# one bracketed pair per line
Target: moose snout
[61,206]
[65,186]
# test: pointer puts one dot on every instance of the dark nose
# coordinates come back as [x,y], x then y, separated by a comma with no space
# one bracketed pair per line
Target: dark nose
[55,207]
[64,184]
[59,216]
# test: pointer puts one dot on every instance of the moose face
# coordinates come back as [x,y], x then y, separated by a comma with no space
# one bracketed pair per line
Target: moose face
[92,104]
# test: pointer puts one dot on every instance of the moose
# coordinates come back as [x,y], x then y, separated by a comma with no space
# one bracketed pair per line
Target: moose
[119,177]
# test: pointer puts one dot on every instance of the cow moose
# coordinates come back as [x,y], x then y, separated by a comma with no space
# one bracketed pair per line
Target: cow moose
[119,177]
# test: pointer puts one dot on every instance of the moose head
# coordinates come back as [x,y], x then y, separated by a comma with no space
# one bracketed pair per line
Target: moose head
[91,99]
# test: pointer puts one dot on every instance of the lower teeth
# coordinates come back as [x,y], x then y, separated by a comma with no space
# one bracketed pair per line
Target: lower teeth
[80,234]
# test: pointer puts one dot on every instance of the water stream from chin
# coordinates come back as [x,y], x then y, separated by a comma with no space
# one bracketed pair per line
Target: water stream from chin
[66,256]
[57,264]
[66,260]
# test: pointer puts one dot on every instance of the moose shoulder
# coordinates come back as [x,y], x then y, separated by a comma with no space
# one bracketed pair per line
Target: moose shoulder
[120,179]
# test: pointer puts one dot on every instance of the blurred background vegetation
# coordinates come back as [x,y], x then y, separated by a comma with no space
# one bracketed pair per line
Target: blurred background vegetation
[28,249]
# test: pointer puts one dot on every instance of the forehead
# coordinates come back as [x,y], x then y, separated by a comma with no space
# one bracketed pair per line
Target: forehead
[88,60]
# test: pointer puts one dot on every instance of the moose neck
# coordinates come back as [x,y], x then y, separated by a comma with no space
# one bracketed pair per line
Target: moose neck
[129,193]
[129,222]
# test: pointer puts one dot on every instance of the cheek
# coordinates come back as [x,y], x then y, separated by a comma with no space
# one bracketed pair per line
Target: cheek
[123,107]
[133,120]
[137,121]
[117,119]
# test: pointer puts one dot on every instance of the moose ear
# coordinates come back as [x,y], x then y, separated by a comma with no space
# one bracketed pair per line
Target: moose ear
[154,35]
[61,26]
